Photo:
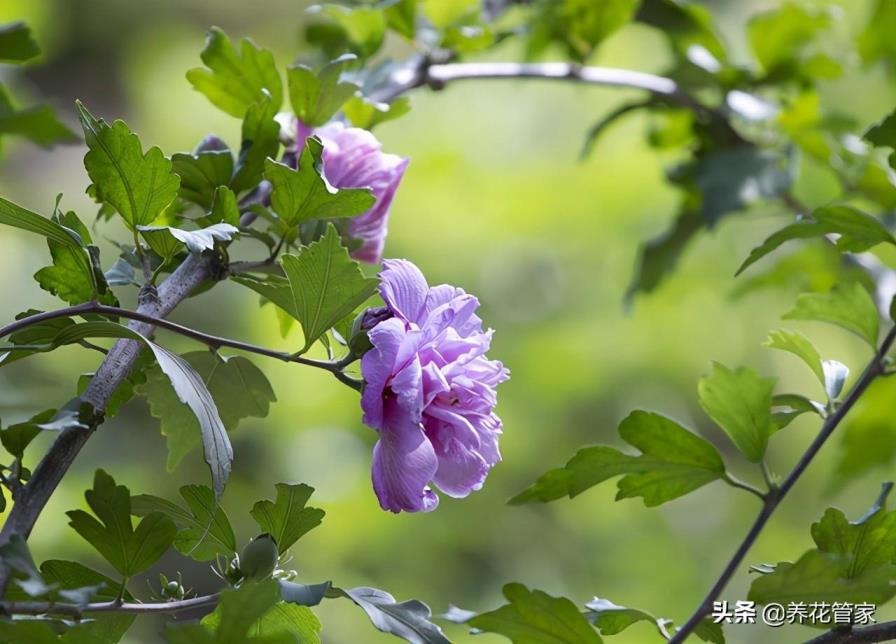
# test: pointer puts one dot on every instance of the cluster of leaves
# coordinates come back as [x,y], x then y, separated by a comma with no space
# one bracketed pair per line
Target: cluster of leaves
[39,124]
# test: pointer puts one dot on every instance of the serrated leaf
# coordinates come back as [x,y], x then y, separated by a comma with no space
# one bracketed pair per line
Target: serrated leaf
[739,401]
[127,549]
[260,139]
[857,232]
[236,80]
[323,286]
[204,531]
[534,617]
[202,173]
[304,194]
[139,186]
[408,620]
[673,462]
[287,519]
[317,97]
[16,43]
[235,386]
[847,305]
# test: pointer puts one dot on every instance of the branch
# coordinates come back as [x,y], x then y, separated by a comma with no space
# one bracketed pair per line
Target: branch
[76,610]
[116,366]
[213,341]
[874,369]
[883,632]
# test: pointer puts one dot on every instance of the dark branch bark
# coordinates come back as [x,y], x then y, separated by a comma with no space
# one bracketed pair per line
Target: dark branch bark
[116,366]
[773,498]
[883,632]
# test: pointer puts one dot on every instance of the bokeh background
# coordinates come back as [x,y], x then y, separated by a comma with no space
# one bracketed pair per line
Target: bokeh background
[495,200]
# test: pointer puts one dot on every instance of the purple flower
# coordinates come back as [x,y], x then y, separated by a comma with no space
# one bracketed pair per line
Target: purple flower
[429,392]
[353,158]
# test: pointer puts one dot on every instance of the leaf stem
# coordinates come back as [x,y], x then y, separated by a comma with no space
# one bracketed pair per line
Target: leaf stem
[735,482]
[874,369]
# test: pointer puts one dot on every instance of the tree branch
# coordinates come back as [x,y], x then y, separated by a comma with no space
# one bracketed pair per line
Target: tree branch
[116,366]
[76,610]
[883,632]
[874,369]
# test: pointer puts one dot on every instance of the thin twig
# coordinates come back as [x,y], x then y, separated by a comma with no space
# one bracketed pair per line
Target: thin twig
[735,482]
[773,498]
[213,341]
[115,606]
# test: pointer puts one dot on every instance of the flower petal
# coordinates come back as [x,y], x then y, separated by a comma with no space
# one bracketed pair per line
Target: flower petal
[377,366]
[404,289]
[404,462]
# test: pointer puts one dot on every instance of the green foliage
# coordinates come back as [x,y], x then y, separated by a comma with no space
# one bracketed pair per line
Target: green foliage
[408,620]
[852,562]
[127,549]
[260,140]
[779,37]
[847,305]
[673,463]
[367,114]
[534,617]
[579,25]
[739,401]
[830,373]
[236,80]
[323,285]
[237,389]
[202,173]
[857,232]
[204,531]
[303,194]
[287,519]
[315,97]
[139,186]
[166,241]
[16,43]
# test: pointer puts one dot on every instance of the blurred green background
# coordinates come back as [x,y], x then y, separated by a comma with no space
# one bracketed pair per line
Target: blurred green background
[496,201]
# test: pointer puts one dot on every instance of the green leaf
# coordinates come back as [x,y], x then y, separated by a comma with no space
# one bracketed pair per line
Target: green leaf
[408,620]
[580,25]
[799,345]
[139,186]
[852,562]
[365,27]
[659,256]
[739,401]
[303,594]
[16,43]
[287,519]
[685,26]
[777,37]
[14,215]
[39,123]
[317,97]
[733,178]
[204,531]
[128,550]
[236,80]
[857,232]
[323,286]
[281,619]
[235,386]
[875,42]
[786,407]
[201,173]
[76,275]
[611,619]
[304,194]
[260,140]
[15,554]
[847,305]
[367,114]
[17,437]
[673,463]
[534,617]
[224,207]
